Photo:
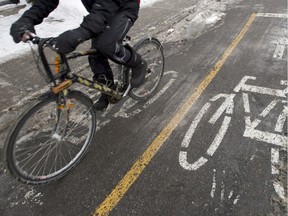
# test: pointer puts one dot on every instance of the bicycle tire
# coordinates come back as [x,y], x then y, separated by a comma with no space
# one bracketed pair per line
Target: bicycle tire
[151,51]
[36,153]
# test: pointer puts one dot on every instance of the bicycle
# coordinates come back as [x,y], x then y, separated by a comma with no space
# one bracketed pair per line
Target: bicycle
[53,135]
[224,105]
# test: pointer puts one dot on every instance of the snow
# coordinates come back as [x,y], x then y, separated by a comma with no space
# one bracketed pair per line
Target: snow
[197,20]
[68,15]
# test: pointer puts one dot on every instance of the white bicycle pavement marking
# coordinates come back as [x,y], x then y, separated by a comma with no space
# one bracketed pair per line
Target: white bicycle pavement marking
[226,109]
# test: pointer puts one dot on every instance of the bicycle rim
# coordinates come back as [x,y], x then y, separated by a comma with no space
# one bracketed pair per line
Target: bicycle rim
[51,138]
[151,51]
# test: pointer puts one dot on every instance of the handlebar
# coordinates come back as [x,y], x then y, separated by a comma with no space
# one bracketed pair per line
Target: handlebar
[50,42]
[30,36]
[41,42]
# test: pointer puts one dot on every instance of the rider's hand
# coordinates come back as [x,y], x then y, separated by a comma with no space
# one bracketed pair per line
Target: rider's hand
[69,40]
[19,27]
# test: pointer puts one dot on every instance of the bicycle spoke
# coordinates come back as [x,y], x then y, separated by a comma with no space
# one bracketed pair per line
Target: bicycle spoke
[47,152]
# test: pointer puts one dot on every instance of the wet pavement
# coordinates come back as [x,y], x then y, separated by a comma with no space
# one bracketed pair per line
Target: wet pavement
[213,142]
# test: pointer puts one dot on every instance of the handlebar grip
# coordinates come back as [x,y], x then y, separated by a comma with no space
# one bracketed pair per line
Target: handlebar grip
[30,36]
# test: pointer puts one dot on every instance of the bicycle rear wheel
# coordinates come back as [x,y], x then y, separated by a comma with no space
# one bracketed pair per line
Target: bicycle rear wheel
[50,138]
[151,50]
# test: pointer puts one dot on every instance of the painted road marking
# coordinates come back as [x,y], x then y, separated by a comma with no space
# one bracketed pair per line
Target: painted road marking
[263,136]
[242,86]
[272,15]
[280,190]
[122,187]
[274,161]
[232,197]
[283,117]
[281,44]
[250,126]
[226,107]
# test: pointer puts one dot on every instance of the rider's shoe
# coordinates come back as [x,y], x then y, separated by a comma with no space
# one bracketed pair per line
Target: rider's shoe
[138,74]
[102,103]
[139,67]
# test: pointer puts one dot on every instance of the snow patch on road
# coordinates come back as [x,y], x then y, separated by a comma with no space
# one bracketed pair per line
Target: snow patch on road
[4,83]
[31,196]
[207,14]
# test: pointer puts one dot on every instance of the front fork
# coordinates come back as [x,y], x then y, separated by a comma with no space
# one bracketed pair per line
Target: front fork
[63,106]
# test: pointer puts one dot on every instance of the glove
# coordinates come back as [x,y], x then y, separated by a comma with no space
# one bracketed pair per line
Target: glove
[19,27]
[69,40]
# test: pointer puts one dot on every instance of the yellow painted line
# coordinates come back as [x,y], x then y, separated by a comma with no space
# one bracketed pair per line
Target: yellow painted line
[122,187]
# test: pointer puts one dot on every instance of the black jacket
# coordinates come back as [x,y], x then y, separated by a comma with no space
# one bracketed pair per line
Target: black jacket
[101,12]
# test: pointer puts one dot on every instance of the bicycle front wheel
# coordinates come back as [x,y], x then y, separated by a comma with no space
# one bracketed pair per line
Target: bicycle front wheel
[151,51]
[50,138]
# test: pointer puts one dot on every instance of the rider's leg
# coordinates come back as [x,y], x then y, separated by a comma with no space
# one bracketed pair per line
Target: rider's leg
[103,74]
[110,44]
[139,67]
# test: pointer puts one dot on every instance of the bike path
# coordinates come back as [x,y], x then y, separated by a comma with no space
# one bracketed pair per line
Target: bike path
[235,181]
[241,174]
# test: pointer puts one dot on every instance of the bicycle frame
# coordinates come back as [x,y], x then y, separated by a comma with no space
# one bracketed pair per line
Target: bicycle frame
[63,78]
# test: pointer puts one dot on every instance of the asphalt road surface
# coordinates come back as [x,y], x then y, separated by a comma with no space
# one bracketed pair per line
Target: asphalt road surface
[213,143]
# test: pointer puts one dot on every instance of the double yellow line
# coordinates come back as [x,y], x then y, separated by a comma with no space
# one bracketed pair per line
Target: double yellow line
[122,187]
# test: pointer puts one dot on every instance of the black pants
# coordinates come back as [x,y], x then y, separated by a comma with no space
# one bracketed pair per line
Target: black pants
[109,46]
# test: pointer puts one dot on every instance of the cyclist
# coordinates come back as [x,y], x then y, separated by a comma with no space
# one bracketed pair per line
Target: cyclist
[106,24]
